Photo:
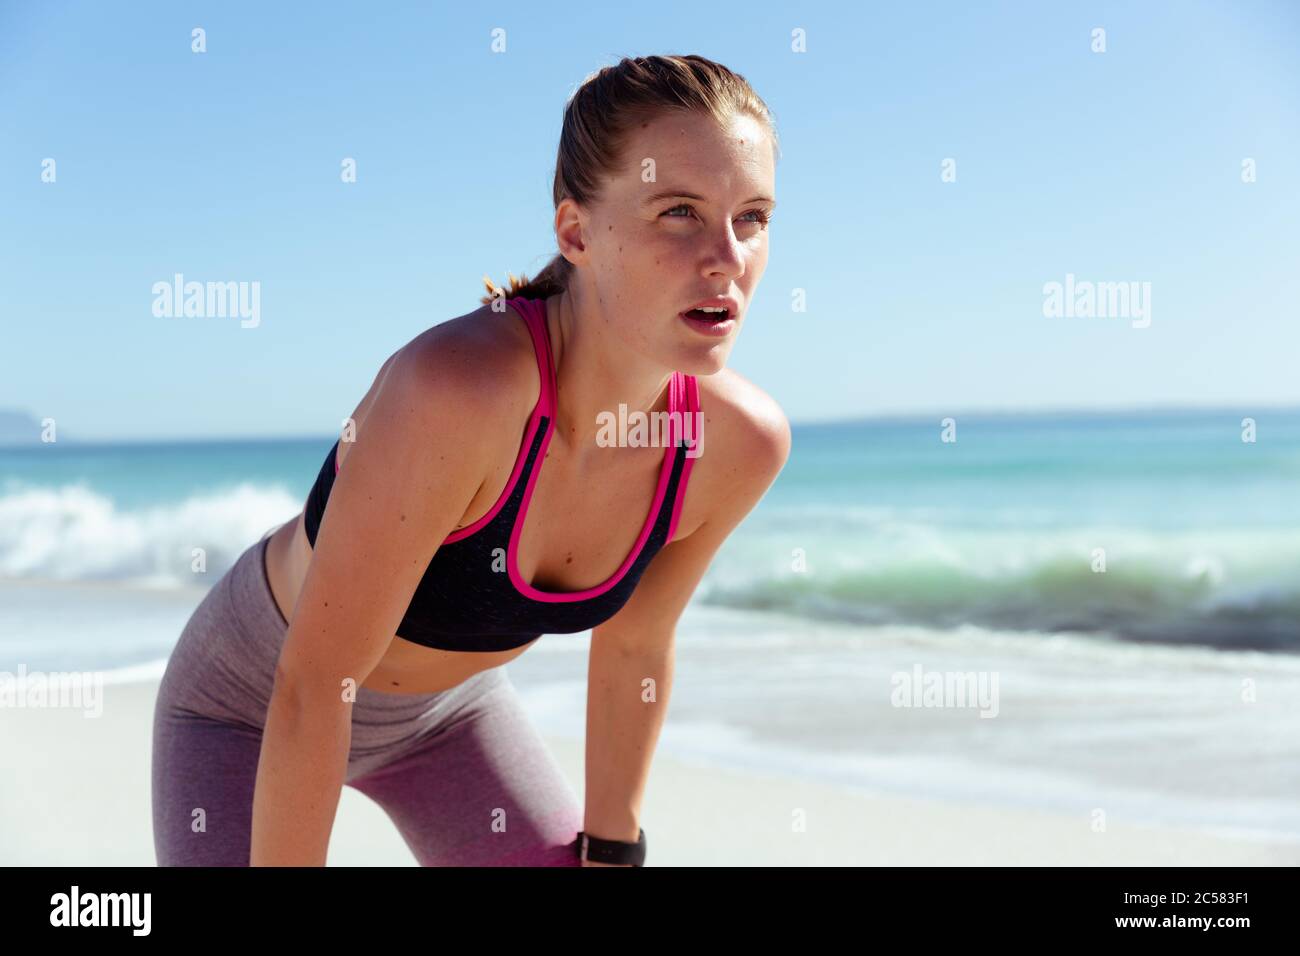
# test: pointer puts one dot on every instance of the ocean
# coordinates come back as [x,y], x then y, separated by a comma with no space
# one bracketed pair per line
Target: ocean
[1121,593]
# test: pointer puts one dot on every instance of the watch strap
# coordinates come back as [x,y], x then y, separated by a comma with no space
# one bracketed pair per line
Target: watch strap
[614,852]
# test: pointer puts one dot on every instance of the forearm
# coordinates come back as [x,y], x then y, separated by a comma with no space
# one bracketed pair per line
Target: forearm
[299,780]
[627,700]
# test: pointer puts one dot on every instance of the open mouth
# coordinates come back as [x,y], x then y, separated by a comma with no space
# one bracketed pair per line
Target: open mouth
[708,315]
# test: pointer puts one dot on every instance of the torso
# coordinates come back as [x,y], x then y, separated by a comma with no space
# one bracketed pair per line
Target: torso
[559,548]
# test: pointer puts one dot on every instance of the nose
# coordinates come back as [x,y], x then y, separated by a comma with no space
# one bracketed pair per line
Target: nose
[725,255]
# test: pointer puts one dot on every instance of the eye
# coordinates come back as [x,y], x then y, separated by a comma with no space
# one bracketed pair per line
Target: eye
[762,217]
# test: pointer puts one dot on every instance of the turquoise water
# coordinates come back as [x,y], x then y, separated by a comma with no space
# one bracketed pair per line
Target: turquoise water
[879,549]
[873,522]
[1161,527]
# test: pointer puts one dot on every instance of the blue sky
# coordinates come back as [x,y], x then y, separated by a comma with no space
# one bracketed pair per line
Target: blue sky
[923,296]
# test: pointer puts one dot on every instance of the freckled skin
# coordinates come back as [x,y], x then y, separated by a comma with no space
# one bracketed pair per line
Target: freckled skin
[658,263]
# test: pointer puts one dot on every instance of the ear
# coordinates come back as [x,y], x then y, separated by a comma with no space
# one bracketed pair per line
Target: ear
[571,231]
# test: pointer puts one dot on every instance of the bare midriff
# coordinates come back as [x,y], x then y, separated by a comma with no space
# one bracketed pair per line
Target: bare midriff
[406,667]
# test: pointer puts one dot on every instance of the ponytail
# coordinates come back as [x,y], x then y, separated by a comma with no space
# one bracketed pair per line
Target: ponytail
[550,281]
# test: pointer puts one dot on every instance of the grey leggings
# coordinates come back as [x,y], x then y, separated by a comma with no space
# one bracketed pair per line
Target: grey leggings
[463,774]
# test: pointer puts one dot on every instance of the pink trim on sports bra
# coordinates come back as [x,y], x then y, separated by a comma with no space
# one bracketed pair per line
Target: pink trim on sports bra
[545,402]
[675,394]
[665,471]
[533,313]
[682,391]
[692,407]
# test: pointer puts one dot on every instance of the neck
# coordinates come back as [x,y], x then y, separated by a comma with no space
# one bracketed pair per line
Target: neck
[595,373]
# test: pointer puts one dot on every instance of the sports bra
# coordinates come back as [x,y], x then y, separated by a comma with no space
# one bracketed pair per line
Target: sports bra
[472,596]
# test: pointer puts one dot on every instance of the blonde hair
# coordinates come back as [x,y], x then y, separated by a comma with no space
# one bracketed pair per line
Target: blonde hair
[598,119]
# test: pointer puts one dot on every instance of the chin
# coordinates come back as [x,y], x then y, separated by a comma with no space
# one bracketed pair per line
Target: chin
[705,362]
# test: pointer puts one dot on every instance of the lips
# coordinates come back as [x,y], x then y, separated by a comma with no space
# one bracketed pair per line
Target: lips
[705,315]
[706,309]
[716,325]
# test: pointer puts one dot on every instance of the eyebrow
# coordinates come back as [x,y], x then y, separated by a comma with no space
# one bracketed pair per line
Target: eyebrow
[678,194]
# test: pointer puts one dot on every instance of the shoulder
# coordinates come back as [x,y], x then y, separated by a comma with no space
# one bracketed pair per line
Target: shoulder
[746,443]
[459,393]
[748,424]
[481,363]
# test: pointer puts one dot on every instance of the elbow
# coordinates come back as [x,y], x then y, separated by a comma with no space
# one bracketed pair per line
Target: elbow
[285,707]
[310,689]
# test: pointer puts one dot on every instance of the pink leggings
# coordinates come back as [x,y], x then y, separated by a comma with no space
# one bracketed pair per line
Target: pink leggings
[463,774]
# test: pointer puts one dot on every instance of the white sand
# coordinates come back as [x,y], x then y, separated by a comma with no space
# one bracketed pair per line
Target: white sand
[76,791]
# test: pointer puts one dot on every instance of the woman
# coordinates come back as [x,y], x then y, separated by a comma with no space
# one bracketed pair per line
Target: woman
[345,648]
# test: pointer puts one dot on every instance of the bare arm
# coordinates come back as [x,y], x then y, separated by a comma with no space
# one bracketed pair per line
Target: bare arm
[418,460]
[631,661]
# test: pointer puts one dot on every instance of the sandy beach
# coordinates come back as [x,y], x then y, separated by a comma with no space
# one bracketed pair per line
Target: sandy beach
[76,792]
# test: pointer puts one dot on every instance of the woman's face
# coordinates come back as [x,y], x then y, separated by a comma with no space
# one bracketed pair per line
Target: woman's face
[683,223]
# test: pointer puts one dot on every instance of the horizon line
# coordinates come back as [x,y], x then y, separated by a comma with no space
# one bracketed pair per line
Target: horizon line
[914,415]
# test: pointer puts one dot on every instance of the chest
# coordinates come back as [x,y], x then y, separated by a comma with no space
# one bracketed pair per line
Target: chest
[581,520]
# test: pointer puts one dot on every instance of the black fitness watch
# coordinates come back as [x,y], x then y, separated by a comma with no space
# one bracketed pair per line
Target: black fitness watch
[617,852]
